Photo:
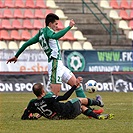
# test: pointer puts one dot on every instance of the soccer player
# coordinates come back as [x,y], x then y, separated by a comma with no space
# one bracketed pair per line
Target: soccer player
[51,106]
[48,39]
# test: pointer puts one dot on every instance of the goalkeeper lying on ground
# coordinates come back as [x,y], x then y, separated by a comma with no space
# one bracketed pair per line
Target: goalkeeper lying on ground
[52,107]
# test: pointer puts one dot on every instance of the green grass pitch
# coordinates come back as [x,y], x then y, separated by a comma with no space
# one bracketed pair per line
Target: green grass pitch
[120,104]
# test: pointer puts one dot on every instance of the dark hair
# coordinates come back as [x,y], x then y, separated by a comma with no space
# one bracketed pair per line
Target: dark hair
[37,89]
[51,17]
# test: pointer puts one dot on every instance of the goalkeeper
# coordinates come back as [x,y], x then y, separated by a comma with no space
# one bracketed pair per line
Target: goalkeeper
[51,106]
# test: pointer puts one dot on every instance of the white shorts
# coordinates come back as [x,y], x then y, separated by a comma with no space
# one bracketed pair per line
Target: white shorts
[58,72]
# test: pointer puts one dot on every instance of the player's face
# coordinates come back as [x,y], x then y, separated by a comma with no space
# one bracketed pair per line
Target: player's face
[54,25]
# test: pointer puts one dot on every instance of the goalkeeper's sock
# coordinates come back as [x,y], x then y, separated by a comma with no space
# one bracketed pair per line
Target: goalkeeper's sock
[80,92]
[89,113]
[92,102]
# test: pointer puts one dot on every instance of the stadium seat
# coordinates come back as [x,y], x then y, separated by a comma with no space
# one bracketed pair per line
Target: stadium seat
[131,24]
[8,3]
[60,25]
[104,4]
[131,14]
[114,15]
[37,24]
[61,14]
[87,46]
[3,45]
[130,35]
[18,13]
[12,45]
[7,13]
[34,32]
[4,35]
[124,15]
[124,4]
[51,4]
[35,46]
[21,43]
[25,35]
[131,4]
[40,4]
[67,24]
[1,14]
[15,35]
[47,11]
[29,4]
[66,45]
[1,4]
[19,4]
[28,13]
[39,13]
[68,36]
[6,24]
[79,36]
[0,25]
[16,24]
[27,24]
[123,25]
[44,25]
[76,45]
[114,4]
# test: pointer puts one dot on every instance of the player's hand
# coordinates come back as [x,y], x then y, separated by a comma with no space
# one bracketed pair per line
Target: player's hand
[78,81]
[72,23]
[38,116]
[14,59]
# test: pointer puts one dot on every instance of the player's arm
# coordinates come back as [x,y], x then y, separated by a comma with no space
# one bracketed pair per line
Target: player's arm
[31,41]
[28,115]
[69,93]
[61,33]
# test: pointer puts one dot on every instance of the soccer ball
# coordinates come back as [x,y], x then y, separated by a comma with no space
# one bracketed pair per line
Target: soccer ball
[91,86]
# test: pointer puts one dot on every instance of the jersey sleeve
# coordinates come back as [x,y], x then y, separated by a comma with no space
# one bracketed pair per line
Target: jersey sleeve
[67,94]
[51,34]
[28,111]
[31,41]
[53,97]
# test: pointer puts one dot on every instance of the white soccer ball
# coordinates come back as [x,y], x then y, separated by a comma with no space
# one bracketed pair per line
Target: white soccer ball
[91,86]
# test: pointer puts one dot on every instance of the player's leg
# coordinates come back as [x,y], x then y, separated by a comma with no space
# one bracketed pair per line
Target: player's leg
[55,88]
[79,91]
[97,111]
[75,107]
[91,102]
[88,112]
[69,78]
[55,74]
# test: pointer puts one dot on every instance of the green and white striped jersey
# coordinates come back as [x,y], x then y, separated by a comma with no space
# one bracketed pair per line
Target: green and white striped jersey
[48,40]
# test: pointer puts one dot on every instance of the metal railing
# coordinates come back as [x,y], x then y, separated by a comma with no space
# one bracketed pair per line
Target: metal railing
[111,25]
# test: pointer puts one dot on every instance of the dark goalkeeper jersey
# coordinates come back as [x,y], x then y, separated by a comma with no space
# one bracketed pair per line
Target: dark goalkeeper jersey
[50,107]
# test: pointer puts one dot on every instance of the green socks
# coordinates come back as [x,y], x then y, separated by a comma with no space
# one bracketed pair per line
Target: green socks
[89,112]
[80,92]
[92,102]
